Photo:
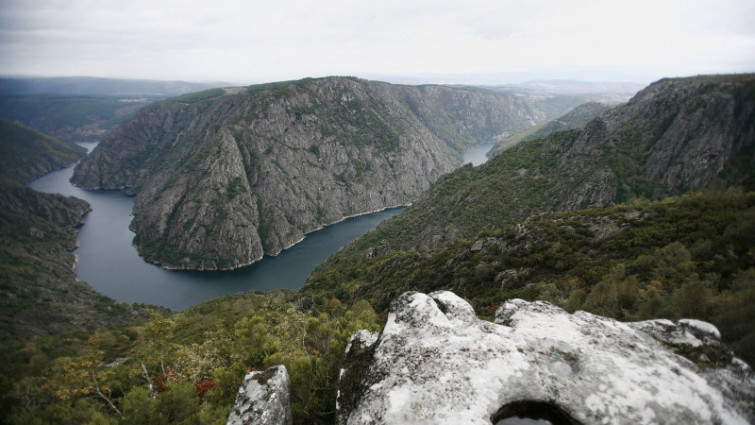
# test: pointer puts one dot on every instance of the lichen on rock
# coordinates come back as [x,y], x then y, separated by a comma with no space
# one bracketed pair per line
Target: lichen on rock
[264,399]
[435,362]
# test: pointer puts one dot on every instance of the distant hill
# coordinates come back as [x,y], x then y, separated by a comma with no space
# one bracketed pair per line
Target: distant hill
[26,154]
[593,91]
[93,86]
[576,118]
[83,108]
[71,118]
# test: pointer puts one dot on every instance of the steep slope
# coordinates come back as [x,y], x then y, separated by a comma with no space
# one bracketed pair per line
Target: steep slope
[675,135]
[576,118]
[39,292]
[26,154]
[690,256]
[225,176]
[196,359]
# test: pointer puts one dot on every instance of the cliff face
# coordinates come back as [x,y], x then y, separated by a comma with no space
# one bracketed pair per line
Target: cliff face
[676,135]
[223,177]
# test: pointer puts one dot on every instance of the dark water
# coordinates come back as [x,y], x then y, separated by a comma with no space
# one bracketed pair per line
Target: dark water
[476,154]
[522,421]
[111,265]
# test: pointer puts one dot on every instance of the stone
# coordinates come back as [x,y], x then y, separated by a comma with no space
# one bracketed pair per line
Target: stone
[358,355]
[264,398]
[435,362]
[36,233]
[477,246]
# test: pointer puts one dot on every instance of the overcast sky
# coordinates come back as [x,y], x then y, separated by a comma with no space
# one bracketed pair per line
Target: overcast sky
[485,41]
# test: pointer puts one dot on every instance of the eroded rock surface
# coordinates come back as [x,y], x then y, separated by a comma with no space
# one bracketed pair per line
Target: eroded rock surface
[263,399]
[435,362]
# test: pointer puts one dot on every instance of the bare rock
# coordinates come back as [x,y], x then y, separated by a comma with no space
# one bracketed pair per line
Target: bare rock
[263,399]
[435,362]
[35,232]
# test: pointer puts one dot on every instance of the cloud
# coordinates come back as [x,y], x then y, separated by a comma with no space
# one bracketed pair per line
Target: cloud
[272,40]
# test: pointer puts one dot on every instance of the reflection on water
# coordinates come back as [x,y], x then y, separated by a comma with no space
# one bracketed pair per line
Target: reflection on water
[111,265]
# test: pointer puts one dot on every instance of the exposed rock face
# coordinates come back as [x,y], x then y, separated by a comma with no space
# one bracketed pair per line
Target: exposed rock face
[263,399]
[676,135]
[223,179]
[435,362]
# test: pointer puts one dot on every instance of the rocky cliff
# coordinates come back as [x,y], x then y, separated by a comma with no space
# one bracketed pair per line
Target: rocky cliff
[225,176]
[676,135]
[435,362]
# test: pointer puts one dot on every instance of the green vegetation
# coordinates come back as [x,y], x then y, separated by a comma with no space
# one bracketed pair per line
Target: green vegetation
[236,187]
[198,96]
[71,118]
[185,367]
[574,119]
[690,256]
[26,154]
[491,235]
[39,293]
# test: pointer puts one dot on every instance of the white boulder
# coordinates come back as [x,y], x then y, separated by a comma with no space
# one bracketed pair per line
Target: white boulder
[436,362]
[263,399]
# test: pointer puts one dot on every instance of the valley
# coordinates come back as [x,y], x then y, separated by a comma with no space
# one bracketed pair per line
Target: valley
[107,260]
[223,178]
[643,212]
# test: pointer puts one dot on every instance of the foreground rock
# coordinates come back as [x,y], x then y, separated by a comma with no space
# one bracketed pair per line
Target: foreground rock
[435,362]
[263,399]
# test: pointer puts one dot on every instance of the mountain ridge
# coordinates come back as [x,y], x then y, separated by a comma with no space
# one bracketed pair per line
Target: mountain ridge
[224,176]
[673,136]
[26,153]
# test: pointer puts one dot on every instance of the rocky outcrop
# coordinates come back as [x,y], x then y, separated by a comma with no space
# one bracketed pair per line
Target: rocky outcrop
[223,178]
[435,362]
[263,399]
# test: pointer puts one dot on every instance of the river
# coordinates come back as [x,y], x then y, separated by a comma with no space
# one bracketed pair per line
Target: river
[476,154]
[110,264]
